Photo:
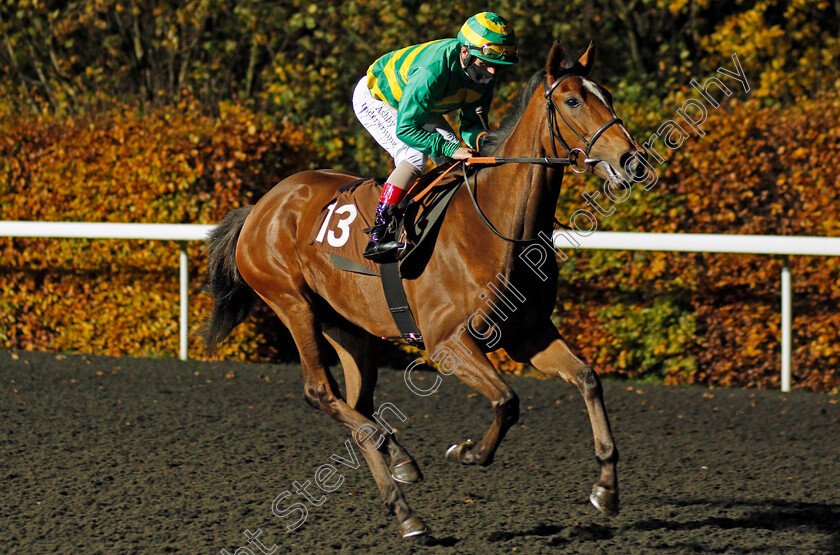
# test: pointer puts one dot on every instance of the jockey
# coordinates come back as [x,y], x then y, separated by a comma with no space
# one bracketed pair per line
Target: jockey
[402,99]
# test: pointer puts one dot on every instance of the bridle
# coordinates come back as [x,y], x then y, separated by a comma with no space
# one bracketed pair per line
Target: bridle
[552,110]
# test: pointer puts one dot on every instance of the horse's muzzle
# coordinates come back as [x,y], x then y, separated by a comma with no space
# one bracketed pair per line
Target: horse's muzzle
[631,162]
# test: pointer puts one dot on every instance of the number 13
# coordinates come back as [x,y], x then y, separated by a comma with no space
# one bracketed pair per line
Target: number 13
[342,224]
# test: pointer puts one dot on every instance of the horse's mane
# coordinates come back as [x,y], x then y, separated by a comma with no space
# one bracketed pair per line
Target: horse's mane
[491,142]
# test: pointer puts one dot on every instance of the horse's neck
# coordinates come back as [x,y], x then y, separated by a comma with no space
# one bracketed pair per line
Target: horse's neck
[524,195]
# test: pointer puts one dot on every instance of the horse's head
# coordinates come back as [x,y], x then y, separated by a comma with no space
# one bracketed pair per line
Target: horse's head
[582,120]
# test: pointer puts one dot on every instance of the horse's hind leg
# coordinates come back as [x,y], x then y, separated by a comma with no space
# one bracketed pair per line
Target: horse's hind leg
[549,353]
[355,351]
[321,391]
[360,371]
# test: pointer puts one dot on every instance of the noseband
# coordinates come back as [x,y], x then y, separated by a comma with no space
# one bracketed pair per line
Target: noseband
[553,110]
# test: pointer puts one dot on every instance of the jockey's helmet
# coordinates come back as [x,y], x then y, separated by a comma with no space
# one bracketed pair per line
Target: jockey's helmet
[488,36]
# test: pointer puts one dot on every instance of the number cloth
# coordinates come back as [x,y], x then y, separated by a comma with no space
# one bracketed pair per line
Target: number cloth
[339,229]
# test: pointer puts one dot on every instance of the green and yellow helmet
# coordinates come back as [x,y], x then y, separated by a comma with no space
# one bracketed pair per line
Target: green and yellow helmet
[488,36]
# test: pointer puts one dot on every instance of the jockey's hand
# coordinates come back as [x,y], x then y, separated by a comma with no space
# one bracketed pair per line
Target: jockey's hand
[463,153]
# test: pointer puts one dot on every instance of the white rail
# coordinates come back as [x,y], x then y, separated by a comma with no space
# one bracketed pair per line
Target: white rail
[682,242]
[160,232]
[86,230]
[703,242]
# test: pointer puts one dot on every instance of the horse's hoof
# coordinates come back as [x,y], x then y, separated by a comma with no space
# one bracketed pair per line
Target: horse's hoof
[605,500]
[413,526]
[454,452]
[406,472]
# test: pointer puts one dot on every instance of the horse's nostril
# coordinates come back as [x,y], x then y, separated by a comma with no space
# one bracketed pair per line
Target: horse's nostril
[631,163]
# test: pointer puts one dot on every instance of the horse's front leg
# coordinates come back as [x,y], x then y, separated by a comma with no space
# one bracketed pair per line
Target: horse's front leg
[550,354]
[478,372]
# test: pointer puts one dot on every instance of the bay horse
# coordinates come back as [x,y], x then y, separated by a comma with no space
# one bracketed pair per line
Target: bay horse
[264,249]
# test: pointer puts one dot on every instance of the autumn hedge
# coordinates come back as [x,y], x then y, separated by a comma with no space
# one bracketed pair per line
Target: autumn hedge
[94,126]
[677,317]
[165,166]
[715,318]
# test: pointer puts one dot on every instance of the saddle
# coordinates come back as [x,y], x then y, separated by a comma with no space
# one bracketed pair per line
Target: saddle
[340,228]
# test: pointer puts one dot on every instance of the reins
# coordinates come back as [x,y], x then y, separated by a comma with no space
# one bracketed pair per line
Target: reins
[488,223]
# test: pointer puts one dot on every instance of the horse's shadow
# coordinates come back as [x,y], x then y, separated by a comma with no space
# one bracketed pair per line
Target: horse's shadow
[781,515]
[559,535]
[772,515]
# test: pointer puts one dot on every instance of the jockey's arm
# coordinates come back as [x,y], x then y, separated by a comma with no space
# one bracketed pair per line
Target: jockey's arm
[471,126]
[416,103]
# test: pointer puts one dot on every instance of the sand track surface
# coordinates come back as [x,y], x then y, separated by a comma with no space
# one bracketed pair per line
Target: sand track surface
[107,455]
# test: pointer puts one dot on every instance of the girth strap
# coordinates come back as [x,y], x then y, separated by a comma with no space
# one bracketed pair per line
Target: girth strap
[392,285]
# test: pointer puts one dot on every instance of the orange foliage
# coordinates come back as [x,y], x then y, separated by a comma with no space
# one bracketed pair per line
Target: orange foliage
[675,317]
[774,172]
[715,318]
[169,166]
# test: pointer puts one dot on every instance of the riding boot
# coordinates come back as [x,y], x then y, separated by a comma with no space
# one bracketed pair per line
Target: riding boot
[383,246]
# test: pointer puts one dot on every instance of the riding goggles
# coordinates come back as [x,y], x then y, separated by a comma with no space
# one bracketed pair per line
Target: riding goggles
[496,51]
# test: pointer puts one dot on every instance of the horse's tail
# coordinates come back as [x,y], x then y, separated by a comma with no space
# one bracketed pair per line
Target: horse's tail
[233,297]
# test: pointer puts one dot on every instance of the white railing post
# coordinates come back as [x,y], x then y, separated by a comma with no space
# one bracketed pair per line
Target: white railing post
[787,318]
[185,314]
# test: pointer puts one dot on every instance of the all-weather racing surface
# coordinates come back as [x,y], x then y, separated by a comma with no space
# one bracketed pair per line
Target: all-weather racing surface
[120,455]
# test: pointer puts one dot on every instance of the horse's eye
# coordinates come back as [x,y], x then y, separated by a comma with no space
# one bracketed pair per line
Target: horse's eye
[573,103]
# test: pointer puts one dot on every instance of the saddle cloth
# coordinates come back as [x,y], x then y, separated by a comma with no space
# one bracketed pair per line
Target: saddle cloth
[339,229]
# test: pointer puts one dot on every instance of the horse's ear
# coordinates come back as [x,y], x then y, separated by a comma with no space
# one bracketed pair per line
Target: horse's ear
[556,61]
[588,58]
